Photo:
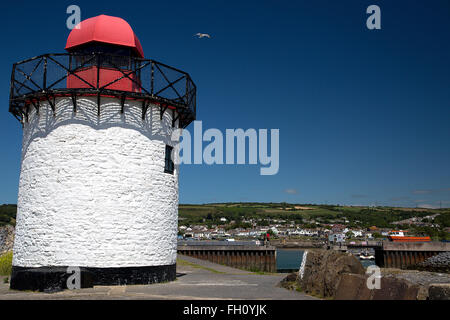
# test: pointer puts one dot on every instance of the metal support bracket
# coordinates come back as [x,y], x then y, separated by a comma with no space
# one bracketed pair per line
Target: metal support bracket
[122,103]
[74,102]
[51,103]
[98,104]
[36,105]
[145,106]
[27,110]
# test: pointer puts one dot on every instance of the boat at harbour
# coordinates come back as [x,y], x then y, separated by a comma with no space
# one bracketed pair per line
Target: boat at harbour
[365,255]
[399,236]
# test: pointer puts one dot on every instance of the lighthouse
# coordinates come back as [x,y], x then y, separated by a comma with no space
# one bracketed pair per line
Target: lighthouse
[98,189]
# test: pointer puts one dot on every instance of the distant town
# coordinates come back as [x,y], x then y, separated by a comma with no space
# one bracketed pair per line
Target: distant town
[243,221]
[250,221]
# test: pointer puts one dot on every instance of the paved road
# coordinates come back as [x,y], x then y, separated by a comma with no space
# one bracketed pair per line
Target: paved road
[196,279]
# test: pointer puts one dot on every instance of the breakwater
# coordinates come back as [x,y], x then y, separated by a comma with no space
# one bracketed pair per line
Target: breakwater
[407,254]
[242,255]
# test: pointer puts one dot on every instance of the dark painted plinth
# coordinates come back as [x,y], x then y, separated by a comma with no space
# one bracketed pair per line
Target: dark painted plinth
[51,279]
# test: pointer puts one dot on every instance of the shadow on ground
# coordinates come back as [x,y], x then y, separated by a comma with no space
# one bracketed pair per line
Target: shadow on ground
[196,279]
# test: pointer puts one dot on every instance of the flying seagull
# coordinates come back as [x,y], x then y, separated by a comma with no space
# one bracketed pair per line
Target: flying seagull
[202,35]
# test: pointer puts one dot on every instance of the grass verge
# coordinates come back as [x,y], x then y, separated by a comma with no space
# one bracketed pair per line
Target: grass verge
[6,263]
[182,262]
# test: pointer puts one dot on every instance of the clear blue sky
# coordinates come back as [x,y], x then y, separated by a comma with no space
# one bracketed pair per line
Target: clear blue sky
[364,116]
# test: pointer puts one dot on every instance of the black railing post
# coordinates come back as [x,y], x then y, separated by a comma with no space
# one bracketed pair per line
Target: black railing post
[98,71]
[11,90]
[44,85]
[186,95]
[153,77]
[98,84]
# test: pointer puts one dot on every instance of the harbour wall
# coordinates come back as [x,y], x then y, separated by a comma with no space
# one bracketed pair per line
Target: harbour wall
[248,257]
[403,255]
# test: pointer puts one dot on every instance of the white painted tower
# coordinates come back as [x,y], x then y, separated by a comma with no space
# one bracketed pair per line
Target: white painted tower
[98,189]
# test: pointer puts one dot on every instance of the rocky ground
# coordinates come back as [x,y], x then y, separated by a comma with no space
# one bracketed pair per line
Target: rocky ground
[6,238]
[423,278]
[439,263]
[336,275]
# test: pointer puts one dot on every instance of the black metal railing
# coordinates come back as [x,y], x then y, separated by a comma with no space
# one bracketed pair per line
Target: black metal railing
[69,74]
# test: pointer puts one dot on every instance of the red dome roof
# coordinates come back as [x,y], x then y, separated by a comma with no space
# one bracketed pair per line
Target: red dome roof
[104,29]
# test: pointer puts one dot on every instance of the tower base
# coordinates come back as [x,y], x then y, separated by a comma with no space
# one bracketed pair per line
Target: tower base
[52,279]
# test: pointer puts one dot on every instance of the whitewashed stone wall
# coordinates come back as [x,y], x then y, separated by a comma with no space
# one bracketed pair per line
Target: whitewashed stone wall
[93,191]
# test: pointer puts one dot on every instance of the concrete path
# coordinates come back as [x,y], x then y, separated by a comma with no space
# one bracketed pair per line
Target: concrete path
[196,279]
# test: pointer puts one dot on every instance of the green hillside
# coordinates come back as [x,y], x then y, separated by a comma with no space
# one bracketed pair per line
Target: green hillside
[306,215]
[356,216]
[8,214]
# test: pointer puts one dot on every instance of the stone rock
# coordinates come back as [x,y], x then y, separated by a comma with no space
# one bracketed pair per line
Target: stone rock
[6,238]
[289,281]
[439,291]
[396,289]
[323,269]
[437,263]
[291,277]
[354,287]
